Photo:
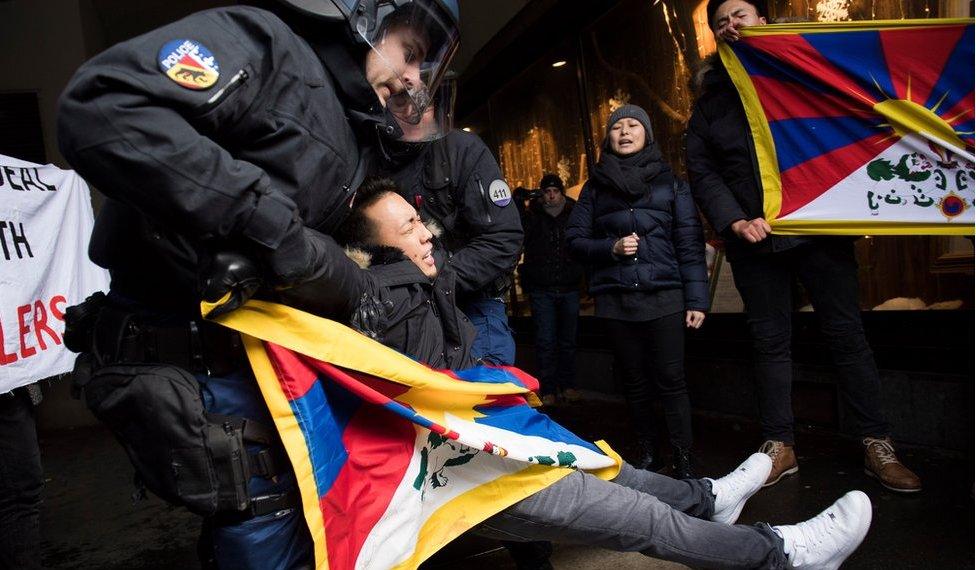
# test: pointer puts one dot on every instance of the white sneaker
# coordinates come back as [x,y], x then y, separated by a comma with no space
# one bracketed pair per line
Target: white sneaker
[732,491]
[826,540]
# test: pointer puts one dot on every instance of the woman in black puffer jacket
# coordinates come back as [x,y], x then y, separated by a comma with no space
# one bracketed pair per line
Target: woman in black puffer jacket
[637,230]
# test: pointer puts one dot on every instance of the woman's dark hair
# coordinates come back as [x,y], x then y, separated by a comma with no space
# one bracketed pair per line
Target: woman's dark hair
[358,229]
[759,5]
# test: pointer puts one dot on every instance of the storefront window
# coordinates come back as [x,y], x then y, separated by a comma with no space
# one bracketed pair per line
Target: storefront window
[535,121]
[638,53]
[647,52]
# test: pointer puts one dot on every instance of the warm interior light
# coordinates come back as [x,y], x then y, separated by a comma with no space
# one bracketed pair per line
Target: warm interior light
[466,129]
[559,63]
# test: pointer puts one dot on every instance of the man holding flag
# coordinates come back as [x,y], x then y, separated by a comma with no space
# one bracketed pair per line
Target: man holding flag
[727,186]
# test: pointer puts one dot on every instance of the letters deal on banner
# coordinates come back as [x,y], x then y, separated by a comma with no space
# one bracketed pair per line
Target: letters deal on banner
[45,223]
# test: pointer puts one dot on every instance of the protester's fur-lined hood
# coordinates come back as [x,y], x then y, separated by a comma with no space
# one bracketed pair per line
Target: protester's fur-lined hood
[367,256]
[710,72]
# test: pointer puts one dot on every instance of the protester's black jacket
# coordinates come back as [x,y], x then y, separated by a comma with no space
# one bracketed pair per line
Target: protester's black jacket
[671,252]
[385,295]
[546,262]
[267,150]
[449,181]
[722,167]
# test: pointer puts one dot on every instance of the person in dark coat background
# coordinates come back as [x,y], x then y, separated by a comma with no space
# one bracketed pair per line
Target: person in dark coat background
[552,279]
[725,183]
[637,230]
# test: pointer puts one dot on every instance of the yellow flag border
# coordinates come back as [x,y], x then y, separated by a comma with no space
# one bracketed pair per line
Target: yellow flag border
[258,321]
[762,137]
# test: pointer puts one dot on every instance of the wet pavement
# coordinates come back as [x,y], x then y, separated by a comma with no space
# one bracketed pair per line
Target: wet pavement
[90,520]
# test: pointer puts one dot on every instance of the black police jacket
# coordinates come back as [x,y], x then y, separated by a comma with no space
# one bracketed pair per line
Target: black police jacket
[722,166]
[547,263]
[237,162]
[451,182]
[385,295]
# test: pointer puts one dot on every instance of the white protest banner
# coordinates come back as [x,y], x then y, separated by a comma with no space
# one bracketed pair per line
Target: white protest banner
[45,223]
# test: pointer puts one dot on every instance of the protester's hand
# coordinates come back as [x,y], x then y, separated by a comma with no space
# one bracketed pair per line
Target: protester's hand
[626,246]
[230,279]
[728,33]
[694,319]
[752,231]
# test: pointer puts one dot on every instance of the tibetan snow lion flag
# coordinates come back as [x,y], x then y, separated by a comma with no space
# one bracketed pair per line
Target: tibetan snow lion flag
[861,127]
[395,459]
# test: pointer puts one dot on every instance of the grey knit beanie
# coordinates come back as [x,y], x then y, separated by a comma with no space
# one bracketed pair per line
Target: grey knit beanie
[632,112]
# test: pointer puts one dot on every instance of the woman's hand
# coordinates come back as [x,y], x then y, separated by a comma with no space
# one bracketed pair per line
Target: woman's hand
[694,319]
[626,246]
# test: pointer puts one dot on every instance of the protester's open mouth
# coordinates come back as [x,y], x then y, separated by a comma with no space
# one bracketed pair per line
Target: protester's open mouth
[428,257]
[624,142]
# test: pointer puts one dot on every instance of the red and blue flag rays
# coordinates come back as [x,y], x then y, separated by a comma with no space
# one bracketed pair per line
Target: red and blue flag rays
[834,101]
[353,492]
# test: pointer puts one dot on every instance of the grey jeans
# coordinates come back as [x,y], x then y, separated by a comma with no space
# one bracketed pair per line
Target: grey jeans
[638,511]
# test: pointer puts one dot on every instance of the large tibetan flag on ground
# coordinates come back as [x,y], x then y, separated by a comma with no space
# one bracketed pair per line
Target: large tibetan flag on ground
[861,127]
[395,459]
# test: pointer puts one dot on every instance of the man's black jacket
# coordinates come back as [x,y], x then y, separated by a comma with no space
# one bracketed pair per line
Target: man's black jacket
[267,150]
[547,263]
[722,167]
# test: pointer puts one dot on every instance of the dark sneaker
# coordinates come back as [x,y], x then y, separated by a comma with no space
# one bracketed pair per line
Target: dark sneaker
[784,460]
[881,463]
[681,464]
[646,456]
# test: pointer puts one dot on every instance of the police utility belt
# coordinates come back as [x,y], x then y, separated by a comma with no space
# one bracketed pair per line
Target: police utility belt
[138,379]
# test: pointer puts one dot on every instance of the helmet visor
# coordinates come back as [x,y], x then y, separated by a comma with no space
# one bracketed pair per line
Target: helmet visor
[436,120]
[415,44]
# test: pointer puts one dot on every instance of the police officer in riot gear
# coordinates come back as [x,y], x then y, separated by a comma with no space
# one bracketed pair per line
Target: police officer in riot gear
[454,180]
[234,128]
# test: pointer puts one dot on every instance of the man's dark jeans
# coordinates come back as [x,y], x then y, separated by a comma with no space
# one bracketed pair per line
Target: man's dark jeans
[556,315]
[827,269]
[21,480]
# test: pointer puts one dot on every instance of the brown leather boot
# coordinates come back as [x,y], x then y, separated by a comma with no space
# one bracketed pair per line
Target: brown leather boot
[881,463]
[784,460]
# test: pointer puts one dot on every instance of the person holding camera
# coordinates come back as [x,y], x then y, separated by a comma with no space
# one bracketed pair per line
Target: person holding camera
[551,278]
[637,230]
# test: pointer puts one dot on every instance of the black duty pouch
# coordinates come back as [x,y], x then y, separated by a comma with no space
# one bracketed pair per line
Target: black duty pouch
[156,412]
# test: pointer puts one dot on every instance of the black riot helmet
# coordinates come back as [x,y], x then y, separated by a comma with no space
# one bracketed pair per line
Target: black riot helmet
[432,26]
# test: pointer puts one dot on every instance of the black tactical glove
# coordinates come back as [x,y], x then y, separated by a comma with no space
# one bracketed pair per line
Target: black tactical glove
[370,316]
[229,272]
[294,260]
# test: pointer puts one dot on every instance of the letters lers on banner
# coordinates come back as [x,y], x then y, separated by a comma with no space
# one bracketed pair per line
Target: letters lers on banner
[861,127]
[394,459]
[45,225]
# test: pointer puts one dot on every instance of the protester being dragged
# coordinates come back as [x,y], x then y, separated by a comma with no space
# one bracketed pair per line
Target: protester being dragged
[637,230]
[552,279]
[399,287]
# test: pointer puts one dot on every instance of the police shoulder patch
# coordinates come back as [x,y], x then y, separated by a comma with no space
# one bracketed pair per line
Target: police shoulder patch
[189,63]
[499,193]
